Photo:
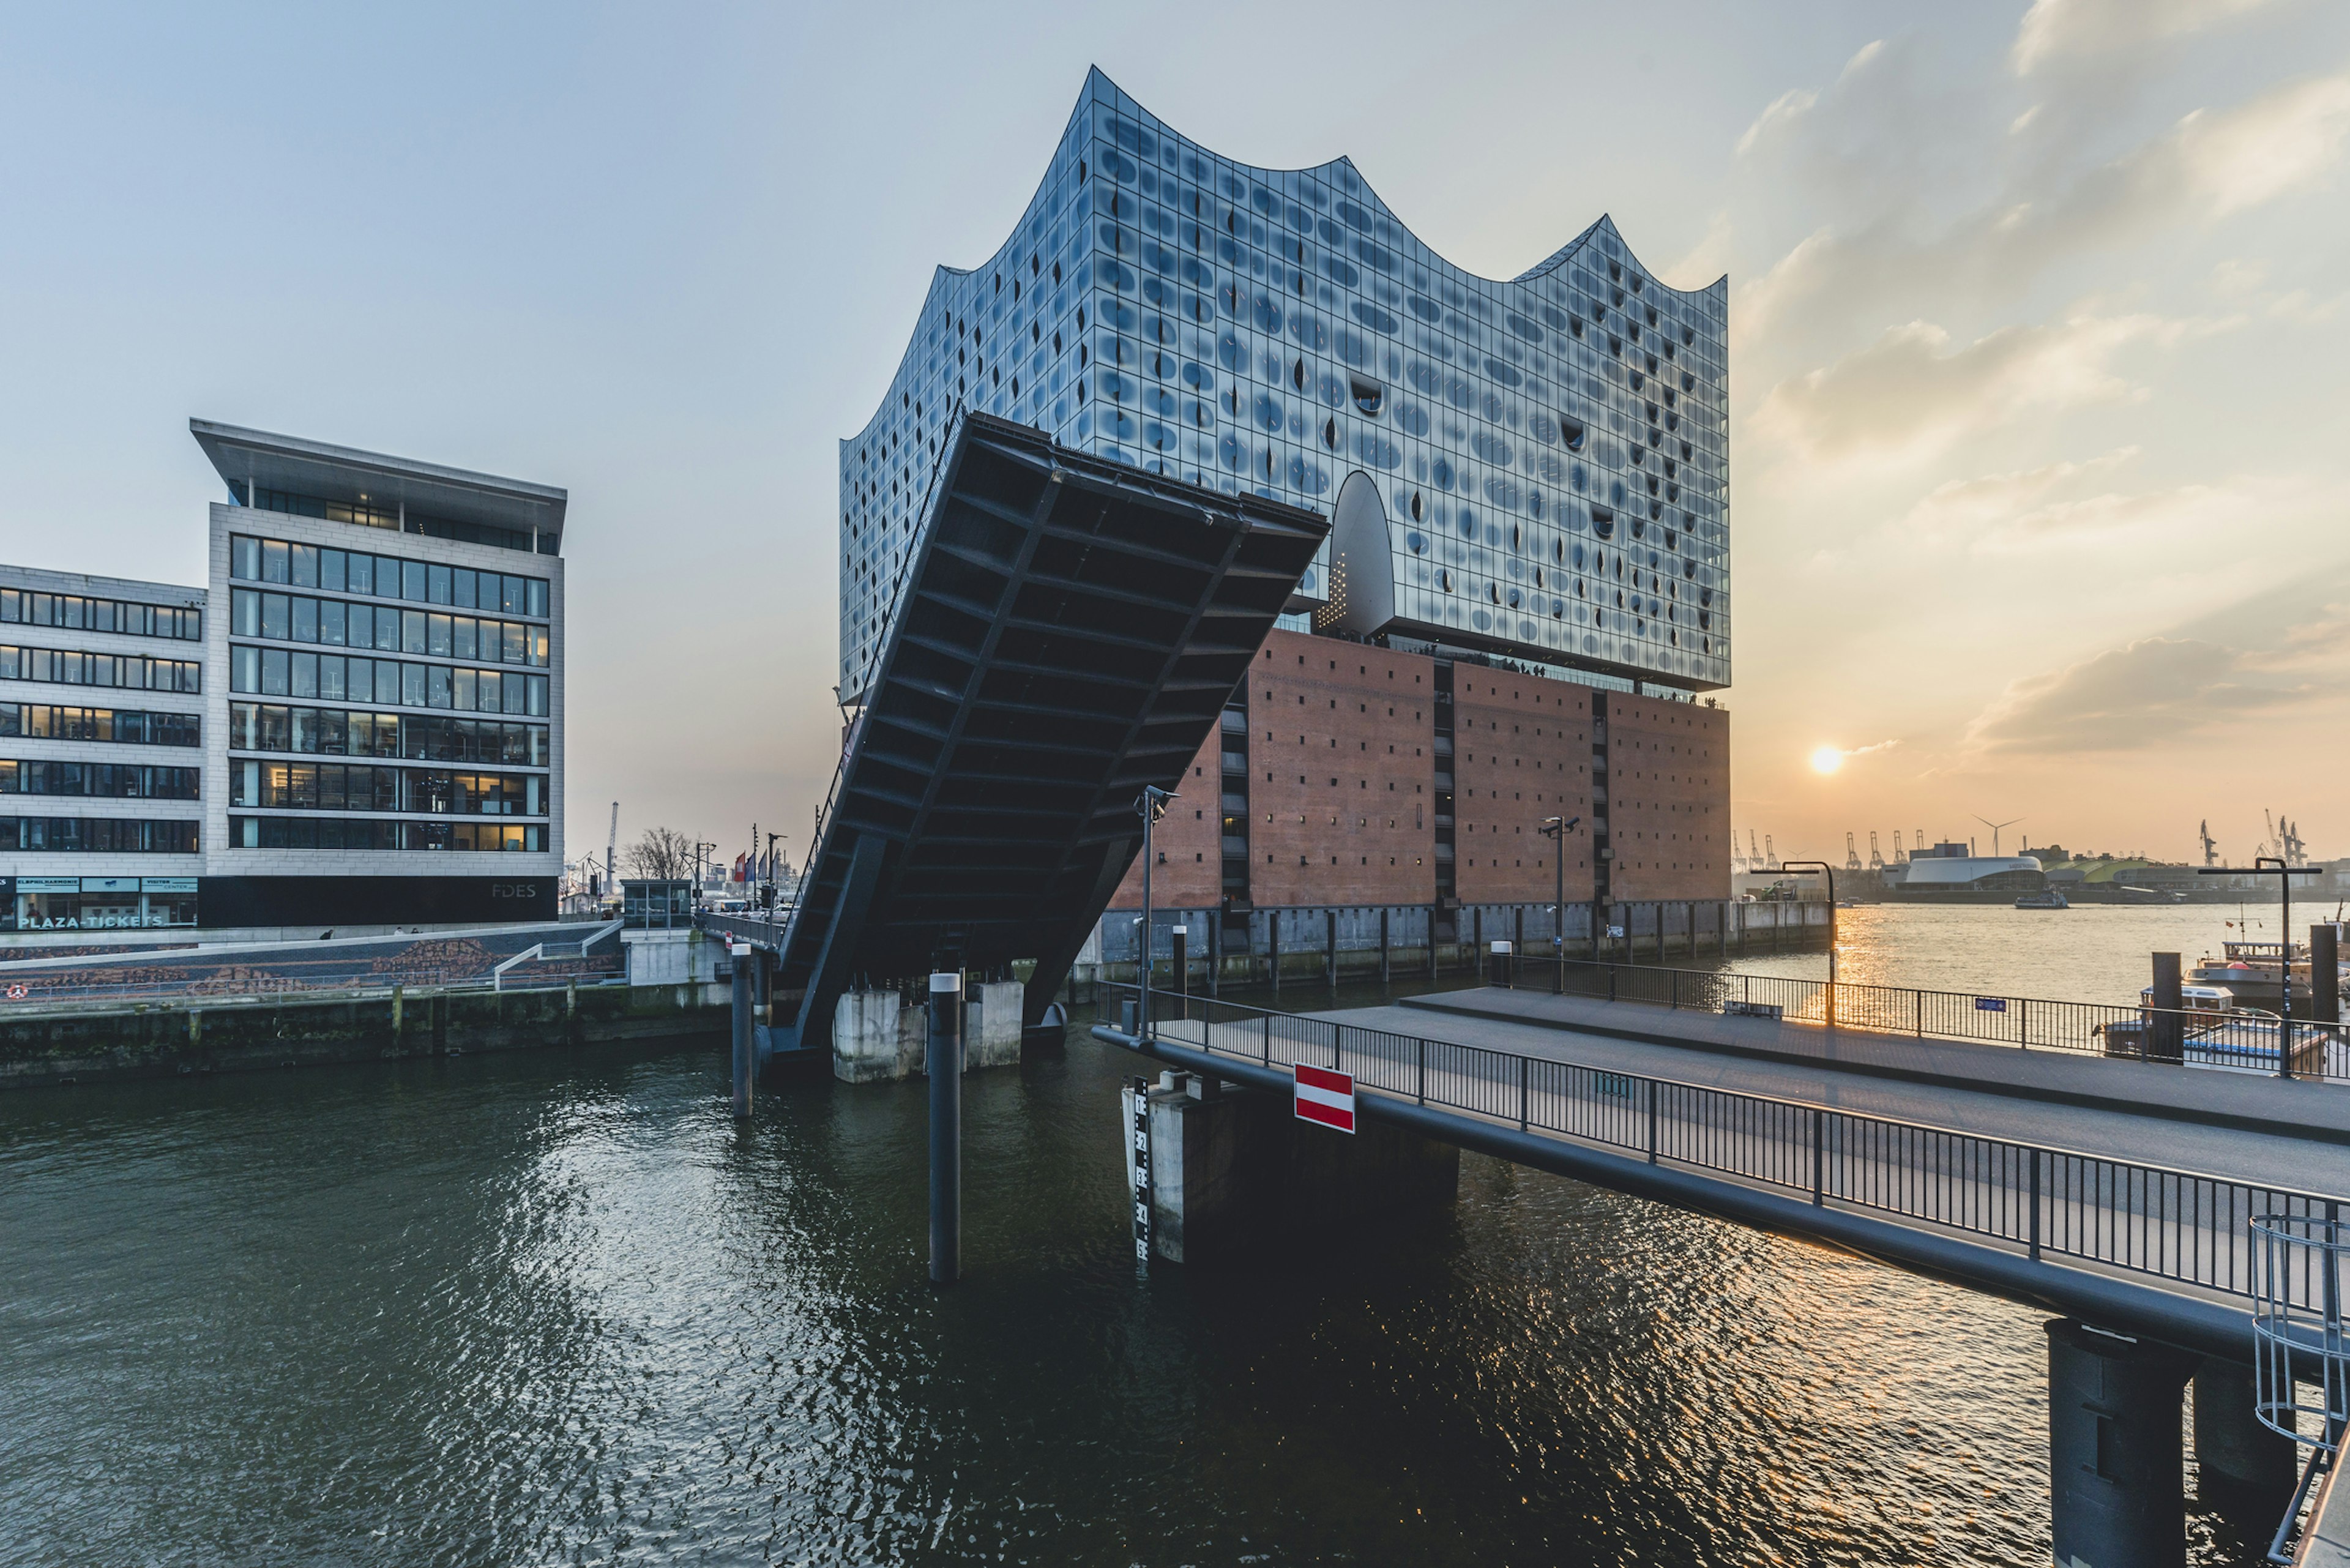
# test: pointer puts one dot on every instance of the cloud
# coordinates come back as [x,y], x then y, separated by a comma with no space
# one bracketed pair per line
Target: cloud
[2033,512]
[1791,106]
[2053,31]
[1787,106]
[2208,166]
[2234,162]
[1912,394]
[1965,509]
[2158,691]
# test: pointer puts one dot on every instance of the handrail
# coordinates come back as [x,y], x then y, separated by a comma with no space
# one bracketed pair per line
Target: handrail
[2241,1037]
[2189,1228]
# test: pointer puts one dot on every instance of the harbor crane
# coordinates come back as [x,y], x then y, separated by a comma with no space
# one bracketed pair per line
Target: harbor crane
[611,850]
[1753,856]
[2271,841]
[1995,827]
[2296,849]
[1875,861]
[1769,856]
[1851,854]
[2210,845]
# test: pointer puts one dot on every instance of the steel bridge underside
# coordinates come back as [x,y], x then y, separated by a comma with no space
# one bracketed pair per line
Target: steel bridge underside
[1068,632]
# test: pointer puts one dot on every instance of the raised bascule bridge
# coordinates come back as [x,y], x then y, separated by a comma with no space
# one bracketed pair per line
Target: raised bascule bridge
[1067,632]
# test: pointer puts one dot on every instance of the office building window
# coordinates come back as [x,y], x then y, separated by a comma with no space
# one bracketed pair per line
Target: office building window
[44,721]
[77,612]
[355,572]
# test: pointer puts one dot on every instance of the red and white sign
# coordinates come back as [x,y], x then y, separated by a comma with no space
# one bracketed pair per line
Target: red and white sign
[1324,1096]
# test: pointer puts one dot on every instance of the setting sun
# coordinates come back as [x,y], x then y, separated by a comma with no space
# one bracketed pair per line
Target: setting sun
[1826,760]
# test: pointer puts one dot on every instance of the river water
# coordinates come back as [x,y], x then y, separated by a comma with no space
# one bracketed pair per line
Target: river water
[2091,952]
[554,1308]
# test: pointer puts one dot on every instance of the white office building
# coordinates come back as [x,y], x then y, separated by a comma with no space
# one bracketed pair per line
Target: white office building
[357,721]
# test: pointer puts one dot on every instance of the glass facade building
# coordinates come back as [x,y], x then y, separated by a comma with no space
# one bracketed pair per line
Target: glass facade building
[1536,468]
[357,721]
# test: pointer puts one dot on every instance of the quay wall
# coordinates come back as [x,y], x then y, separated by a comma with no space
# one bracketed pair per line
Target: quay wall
[166,1039]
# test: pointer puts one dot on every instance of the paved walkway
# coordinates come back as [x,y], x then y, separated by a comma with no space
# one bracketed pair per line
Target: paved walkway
[2221,1124]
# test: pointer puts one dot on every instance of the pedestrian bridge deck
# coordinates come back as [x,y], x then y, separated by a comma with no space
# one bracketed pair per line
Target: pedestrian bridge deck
[2237,1124]
[2137,1220]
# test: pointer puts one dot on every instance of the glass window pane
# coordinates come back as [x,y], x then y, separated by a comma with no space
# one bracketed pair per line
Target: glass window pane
[243,559]
[463,584]
[437,690]
[273,672]
[463,642]
[306,619]
[412,631]
[387,630]
[411,581]
[276,613]
[273,560]
[332,616]
[515,649]
[362,574]
[306,566]
[436,584]
[305,676]
[411,685]
[538,598]
[330,677]
[436,636]
[330,570]
[244,612]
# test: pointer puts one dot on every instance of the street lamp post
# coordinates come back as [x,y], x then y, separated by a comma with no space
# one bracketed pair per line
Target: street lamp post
[1804,868]
[700,855]
[1556,829]
[2284,875]
[1150,805]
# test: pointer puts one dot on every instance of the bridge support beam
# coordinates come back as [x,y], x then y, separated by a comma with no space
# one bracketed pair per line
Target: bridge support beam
[1234,1170]
[747,1059]
[944,1063]
[2244,1469]
[2116,1475]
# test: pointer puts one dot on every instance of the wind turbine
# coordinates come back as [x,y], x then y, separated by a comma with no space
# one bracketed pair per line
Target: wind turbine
[1995,827]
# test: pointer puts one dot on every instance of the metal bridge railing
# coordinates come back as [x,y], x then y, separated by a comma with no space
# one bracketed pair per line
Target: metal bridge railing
[2182,1227]
[2300,1343]
[2244,1038]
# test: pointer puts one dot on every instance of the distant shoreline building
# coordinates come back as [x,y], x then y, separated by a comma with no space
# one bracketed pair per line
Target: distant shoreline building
[357,723]
[1527,582]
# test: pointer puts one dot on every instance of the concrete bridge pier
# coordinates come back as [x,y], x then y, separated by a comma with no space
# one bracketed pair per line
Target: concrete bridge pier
[2116,1471]
[2245,1470]
[1232,1171]
[876,1038]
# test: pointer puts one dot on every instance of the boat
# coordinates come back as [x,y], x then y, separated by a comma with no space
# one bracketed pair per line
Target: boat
[2046,899]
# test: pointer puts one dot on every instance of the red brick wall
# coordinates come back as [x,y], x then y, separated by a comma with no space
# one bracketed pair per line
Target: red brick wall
[1522,747]
[1668,798]
[1187,843]
[1322,710]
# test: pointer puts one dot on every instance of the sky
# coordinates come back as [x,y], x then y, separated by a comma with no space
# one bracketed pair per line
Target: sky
[2040,456]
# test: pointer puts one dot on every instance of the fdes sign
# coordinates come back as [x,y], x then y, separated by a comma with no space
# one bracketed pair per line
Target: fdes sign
[1324,1096]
